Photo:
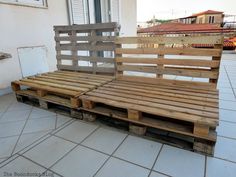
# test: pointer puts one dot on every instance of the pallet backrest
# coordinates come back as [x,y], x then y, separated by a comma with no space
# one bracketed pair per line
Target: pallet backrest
[86,48]
[170,61]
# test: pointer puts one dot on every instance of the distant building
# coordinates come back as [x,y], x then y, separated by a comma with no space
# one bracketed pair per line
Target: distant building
[178,28]
[209,17]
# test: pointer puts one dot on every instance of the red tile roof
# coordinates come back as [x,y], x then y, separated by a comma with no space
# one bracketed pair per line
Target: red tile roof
[207,12]
[176,27]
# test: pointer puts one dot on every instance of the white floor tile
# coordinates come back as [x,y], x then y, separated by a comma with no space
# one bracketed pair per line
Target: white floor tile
[7,145]
[19,106]
[2,159]
[80,162]
[19,166]
[225,149]
[228,115]
[49,151]
[225,90]
[27,139]
[220,168]
[11,128]
[155,174]
[61,119]
[227,96]
[49,174]
[36,125]
[39,113]
[227,129]
[180,163]
[139,151]
[231,105]
[77,131]
[119,168]
[15,115]
[105,140]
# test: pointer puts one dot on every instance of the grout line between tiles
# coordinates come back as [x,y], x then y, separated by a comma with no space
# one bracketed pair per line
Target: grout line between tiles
[49,135]
[110,155]
[205,166]
[21,131]
[46,169]
[156,160]
[227,137]
[49,168]
[8,162]
[56,121]
[230,81]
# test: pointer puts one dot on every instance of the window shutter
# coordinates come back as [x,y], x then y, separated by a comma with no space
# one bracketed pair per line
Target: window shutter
[115,11]
[78,13]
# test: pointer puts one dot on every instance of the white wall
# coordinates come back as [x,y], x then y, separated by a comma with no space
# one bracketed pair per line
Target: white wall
[128,17]
[26,26]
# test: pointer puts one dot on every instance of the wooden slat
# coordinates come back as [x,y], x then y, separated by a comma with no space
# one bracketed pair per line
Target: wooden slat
[61,82]
[192,90]
[201,73]
[42,83]
[178,62]
[149,98]
[173,97]
[74,80]
[48,88]
[88,27]
[170,51]
[86,58]
[187,84]
[164,93]
[86,68]
[155,111]
[87,47]
[85,38]
[97,76]
[171,40]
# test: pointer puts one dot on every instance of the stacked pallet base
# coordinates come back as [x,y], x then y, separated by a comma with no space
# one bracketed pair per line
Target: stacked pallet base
[59,90]
[179,115]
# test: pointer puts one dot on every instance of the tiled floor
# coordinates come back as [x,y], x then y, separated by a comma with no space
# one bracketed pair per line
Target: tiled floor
[36,142]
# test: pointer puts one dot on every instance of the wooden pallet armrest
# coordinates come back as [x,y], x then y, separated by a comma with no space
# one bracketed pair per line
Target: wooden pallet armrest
[201,129]
[134,115]
[75,102]
[88,104]
[15,87]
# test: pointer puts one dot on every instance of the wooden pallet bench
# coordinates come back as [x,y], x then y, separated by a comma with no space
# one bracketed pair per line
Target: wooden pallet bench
[188,108]
[59,87]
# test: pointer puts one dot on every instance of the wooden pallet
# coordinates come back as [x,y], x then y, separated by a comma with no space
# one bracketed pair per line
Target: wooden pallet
[192,113]
[189,108]
[91,43]
[59,87]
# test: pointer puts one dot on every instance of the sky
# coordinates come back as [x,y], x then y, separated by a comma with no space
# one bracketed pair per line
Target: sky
[170,9]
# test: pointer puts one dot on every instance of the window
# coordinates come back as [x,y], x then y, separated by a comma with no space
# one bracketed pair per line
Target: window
[211,19]
[32,3]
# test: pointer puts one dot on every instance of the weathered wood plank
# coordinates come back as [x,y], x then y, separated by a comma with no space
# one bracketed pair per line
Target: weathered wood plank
[201,73]
[86,58]
[88,27]
[170,51]
[87,47]
[86,68]
[178,62]
[171,40]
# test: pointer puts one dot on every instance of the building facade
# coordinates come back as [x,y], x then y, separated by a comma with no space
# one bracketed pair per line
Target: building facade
[26,30]
[206,17]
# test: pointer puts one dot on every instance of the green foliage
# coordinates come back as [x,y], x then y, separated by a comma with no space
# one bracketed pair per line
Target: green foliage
[158,21]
